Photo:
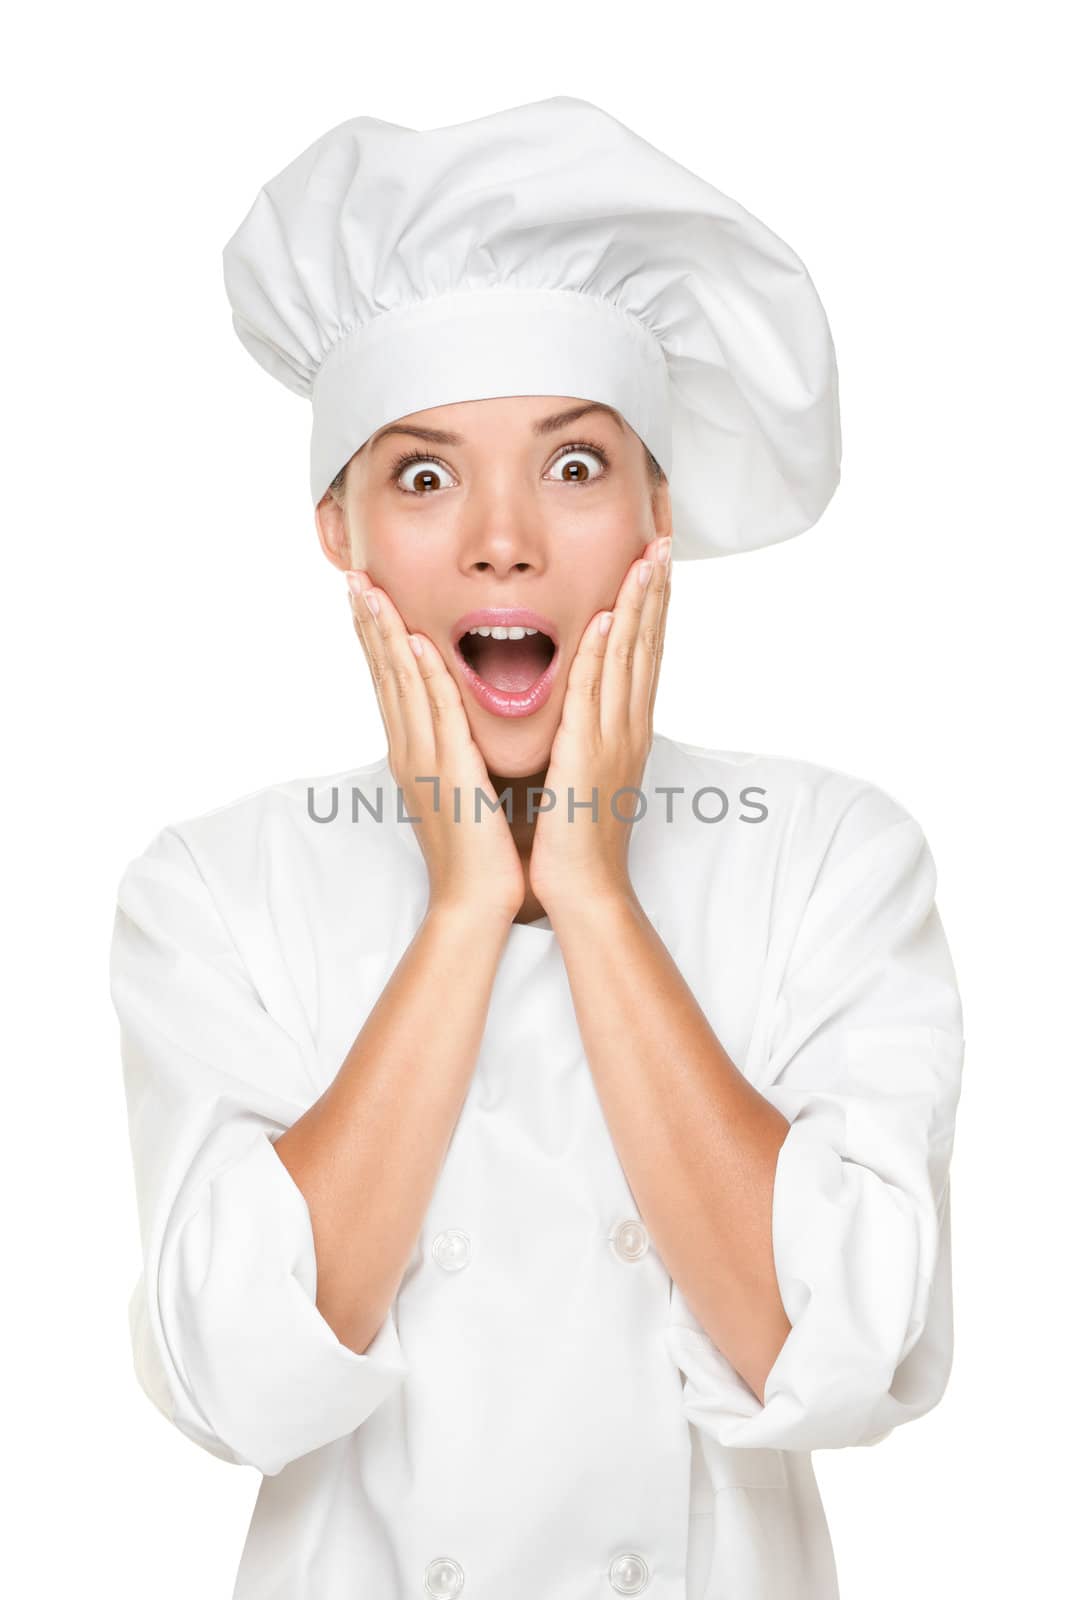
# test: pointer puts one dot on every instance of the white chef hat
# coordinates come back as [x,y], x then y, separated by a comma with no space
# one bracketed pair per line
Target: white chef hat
[546,249]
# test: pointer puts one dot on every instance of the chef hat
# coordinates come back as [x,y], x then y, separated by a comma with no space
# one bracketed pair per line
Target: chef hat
[546,250]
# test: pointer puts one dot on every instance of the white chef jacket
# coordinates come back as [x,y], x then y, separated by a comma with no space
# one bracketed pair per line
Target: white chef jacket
[540,1414]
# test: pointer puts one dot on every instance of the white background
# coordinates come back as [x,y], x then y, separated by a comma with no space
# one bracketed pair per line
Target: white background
[174,638]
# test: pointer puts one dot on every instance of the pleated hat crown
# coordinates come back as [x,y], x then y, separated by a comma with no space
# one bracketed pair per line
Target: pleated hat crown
[546,249]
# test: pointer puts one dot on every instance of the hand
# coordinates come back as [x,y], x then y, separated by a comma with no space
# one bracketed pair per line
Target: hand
[603,743]
[472,862]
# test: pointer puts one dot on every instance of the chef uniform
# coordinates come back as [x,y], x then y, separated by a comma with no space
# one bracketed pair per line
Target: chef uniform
[541,1416]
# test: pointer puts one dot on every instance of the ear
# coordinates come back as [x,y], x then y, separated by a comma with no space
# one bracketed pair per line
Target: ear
[333,532]
[662,512]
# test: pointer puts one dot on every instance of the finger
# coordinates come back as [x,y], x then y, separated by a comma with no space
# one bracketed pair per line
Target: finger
[452,730]
[403,692]
[659,657]
[617,691]
[376,649]
[367,634]
[432,729]
[648,645]
[582,703]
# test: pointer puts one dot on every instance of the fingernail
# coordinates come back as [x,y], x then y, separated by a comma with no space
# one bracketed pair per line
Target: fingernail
[643,572]
[416,644]
[372,601]
[354,582]
[606,621]
[663,550]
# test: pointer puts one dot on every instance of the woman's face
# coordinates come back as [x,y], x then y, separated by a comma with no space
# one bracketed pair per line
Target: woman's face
[485,504]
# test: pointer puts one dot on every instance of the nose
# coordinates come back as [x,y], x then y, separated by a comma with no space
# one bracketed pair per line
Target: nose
[501,535]
[499,566]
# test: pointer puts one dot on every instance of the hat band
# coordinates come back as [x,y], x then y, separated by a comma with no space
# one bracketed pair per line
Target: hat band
[477,344]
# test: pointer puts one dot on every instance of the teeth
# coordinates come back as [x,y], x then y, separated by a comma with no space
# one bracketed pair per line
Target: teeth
[503,633]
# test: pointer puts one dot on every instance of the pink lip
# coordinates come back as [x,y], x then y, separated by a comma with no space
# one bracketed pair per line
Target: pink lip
[499,701]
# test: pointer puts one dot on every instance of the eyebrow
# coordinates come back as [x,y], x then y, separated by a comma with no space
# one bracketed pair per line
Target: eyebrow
[550,424]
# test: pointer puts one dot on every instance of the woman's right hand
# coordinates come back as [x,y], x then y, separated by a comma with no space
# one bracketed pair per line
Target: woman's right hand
[472,862]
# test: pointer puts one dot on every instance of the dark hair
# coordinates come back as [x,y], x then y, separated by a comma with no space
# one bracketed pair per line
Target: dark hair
[655,474]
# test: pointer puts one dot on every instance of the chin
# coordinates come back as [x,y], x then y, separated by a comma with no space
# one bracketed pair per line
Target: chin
[514,747]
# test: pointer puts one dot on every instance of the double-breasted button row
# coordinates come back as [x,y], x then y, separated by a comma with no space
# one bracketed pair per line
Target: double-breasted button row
[451,1249]
[628,1574]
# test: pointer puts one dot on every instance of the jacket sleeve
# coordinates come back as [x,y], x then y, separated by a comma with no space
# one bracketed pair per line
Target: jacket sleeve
[227,1341]
[865,1062]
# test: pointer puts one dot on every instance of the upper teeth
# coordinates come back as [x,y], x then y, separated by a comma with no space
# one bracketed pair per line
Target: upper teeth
[503,633]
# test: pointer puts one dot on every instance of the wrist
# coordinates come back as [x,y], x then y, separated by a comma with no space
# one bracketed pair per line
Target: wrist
[467,915]
[588,896]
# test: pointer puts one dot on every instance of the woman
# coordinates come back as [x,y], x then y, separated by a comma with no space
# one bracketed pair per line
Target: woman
[542,1133]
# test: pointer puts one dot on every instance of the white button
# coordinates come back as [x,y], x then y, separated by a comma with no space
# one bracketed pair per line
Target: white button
[444,1577]
[628,1574]
[452,1250]
[630,1240]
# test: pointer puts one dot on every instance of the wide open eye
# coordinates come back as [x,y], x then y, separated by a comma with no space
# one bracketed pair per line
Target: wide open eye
[427,480]
[580,463]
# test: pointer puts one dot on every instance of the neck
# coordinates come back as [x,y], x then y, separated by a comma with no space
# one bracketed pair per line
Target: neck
[522,831]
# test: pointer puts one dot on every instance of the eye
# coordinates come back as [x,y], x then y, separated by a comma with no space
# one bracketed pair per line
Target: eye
[426,481]
[575,469]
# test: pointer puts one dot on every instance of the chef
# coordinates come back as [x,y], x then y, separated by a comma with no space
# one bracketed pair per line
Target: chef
[526,1196]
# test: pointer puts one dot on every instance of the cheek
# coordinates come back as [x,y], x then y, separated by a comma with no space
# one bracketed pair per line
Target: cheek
[610,528]
[602,558]
[407,572]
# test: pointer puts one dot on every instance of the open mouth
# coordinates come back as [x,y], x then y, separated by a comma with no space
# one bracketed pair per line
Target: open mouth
[511,665]
[508,657]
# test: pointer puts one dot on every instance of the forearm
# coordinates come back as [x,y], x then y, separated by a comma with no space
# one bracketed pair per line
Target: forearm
[367,1154]
[699,1145]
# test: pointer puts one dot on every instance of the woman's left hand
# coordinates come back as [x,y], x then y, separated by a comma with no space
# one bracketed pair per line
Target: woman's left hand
[603,743]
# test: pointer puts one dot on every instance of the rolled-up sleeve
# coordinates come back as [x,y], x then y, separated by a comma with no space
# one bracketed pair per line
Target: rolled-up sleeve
[227,1340]
[865,1061]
